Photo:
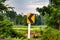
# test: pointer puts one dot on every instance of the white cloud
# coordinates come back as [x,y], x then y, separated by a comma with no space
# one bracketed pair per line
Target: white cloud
[26,6]
[40,5]
[33,6]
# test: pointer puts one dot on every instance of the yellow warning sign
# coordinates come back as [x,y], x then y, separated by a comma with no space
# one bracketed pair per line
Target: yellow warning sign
[30,18]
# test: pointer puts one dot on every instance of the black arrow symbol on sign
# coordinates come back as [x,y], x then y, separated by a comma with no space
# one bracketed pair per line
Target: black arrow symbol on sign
[30,18]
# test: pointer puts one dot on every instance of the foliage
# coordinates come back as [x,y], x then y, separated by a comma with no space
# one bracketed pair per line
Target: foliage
[11,15]
[51,15]
[1,18]
[2,0]
[2,6]
[5,25]
[50,34]
[38,20]
[7,31]
[55,2]
[18,19]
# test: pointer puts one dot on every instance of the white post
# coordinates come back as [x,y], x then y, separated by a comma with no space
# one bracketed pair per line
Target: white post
[29,25]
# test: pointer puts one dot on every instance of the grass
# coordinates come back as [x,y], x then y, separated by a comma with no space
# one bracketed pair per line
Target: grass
[24,29]
[22,39]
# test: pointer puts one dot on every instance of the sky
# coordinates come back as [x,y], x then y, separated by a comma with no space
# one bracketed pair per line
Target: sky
[26,6]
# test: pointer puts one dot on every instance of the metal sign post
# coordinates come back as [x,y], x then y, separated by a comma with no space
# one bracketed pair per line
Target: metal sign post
[29,25]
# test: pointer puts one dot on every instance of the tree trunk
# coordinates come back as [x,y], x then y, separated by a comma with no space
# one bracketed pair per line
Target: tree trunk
[59,26]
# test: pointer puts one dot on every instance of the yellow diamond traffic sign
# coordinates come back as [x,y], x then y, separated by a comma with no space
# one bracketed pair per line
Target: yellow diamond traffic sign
[30,18]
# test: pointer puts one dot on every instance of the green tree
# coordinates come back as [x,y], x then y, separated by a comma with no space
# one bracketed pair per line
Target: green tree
[18,19]
[55,2]
[2,6]
[6,29]
[38,20]
[24,20]
[50,34]
[51,14]
[5,25]
[12,15]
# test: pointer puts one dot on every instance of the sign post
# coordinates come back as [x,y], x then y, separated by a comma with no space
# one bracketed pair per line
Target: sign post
[29,25]
[30,20]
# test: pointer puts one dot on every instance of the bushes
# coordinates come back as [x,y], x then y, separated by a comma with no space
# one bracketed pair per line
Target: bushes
[15,34]
[7,31]
[50,34]
[5,27]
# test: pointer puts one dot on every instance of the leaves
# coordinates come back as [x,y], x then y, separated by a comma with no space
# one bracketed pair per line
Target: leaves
[50,34]
[51,14]
[2,1]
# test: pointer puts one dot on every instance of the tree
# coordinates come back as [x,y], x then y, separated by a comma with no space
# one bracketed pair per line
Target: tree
[24,20]
[38,20]
[6,29]
[5,25]
[18,19]
[51,14]
[2,6]
[2,0]
[11,14]
[55,2]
